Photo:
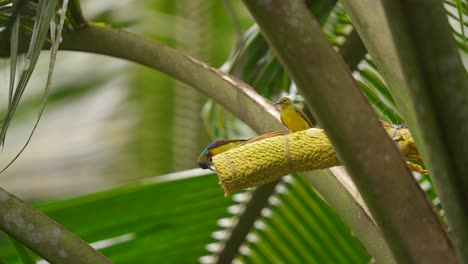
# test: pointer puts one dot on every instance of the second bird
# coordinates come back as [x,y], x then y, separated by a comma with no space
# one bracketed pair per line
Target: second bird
[293,117]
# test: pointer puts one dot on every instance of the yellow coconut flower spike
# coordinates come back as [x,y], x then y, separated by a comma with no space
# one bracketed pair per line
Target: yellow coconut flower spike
[263,161]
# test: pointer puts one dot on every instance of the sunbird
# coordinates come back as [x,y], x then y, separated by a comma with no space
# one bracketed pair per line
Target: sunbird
[215,148]
[293,117]
[220,146]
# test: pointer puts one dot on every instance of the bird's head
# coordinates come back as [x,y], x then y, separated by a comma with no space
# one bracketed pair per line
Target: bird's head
[216,147]
[204,160]
[284,102]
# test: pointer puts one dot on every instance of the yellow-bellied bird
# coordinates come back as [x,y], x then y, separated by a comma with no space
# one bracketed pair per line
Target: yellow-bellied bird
[293,117]
[220,146]
[215,148]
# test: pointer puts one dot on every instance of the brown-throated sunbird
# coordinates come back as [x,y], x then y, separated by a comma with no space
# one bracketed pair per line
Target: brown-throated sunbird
[220,146]
[215,148]
[293,117]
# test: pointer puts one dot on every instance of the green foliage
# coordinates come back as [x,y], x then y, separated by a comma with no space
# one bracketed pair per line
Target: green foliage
[44,14]
[25,256]
[166,218]
[457,10]
[299,227]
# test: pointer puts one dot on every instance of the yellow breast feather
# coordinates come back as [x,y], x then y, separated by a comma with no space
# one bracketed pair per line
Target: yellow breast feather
[293,117]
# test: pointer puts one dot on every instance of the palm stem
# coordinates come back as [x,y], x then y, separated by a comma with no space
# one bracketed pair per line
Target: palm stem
[421,65]
[42,235]
[372,160]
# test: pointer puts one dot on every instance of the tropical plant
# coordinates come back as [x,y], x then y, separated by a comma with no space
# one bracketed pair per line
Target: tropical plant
[322,53]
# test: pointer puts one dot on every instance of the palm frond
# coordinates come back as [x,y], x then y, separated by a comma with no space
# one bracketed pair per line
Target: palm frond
[25,256]
[45,13]
[13,57]
[56,37]
[30,20]
[171,216]
[297,226]
[461,9]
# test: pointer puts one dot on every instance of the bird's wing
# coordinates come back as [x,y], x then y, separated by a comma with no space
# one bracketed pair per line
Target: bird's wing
[268,135]
[301,113]
[220,146]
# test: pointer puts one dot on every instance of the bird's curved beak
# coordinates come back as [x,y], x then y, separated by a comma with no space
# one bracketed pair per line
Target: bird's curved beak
[277,103]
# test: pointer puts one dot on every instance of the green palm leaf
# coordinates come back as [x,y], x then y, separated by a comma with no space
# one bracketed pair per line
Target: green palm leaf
[297,226]
[171,216]
[45,12]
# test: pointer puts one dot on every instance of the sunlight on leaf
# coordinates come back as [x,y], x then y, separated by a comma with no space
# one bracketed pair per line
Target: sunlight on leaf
[296,227]
[456,11]
[461,19]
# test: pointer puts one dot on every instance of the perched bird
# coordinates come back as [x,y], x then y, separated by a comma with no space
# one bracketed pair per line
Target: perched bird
[215,148]
[293,117]
[220,146]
